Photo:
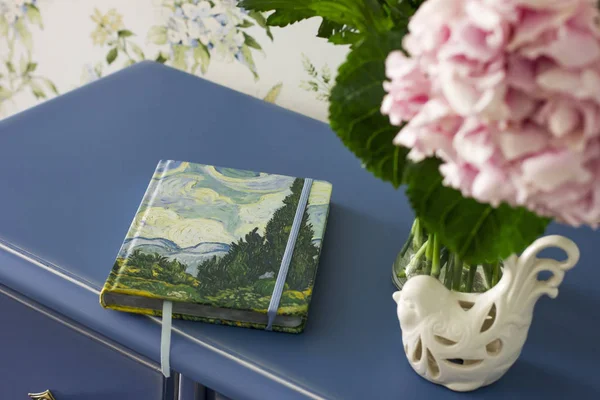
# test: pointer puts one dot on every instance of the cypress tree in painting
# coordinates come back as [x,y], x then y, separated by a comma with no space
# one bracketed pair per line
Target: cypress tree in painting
[304,261]
[254,255]
[277,233]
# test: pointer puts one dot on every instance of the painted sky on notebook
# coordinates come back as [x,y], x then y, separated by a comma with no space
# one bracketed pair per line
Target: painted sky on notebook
[192,204]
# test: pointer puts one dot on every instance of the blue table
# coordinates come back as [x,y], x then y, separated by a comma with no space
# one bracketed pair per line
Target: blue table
[75,169]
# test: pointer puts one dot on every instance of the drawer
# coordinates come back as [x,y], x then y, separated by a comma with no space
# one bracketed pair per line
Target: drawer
[39,352]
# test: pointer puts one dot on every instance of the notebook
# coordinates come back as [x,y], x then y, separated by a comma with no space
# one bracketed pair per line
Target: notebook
[225,246]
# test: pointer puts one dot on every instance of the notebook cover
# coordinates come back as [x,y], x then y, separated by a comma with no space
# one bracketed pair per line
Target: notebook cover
[216,236]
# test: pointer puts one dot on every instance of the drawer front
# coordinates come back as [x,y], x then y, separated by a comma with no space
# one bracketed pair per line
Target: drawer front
[39,353]
[190,390]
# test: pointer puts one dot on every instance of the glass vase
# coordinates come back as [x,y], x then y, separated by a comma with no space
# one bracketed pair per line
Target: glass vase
[422,254]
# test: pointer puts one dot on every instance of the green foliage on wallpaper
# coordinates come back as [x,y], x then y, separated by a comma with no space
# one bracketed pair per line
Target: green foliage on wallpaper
[17,64]
[243,278]
[319,82]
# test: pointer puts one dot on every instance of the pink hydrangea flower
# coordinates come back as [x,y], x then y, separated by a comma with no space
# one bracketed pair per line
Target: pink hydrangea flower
[507,94]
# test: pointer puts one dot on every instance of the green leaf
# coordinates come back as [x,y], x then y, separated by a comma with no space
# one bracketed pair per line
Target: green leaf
[10,67]
[284,18]
[3,26]
[344,21]
[112,55]
[354,112]
[259,18]
[261,21]
[245,24]
[202,57]
[345,36]
[305,86]
[326,74]
[4,93]
[160,58]
[272,95]
[364,15]
[30,67]
[136,50]
[179,52]
[24,34]
[286,12]
[125,33]
[247,54]
[314,86]
[309,67]
[98,68]
[402,11]
[51,85]
[251,42]
[23,65]
[338,33]
[33,13]
[478,233]
[323,96]
[327,28]
[37,90]
[157,35]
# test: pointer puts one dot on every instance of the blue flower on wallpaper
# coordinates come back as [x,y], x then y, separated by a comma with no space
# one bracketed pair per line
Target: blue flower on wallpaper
[197,30]
[193,32]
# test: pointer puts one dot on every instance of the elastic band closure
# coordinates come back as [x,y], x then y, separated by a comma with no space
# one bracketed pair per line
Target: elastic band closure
[287,255]
[165,338]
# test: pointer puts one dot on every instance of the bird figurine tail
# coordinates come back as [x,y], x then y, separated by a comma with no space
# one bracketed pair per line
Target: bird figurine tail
[524,286]
[468,340]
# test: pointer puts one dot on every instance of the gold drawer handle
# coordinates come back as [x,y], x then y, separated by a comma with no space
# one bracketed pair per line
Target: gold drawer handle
[41,396]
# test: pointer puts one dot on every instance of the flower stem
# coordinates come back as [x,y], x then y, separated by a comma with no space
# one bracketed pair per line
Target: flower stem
[406,245]
[415,260]
[487,271]
[435,268]
[457,278]
[429,254]
[471,278]
[421,251]
[496,274]
[413,228]
[449,273]
[418,242]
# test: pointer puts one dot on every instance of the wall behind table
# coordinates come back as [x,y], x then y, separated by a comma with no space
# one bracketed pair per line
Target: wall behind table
[49,47]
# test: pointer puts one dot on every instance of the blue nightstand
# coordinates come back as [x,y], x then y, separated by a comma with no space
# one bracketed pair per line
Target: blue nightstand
[74,171]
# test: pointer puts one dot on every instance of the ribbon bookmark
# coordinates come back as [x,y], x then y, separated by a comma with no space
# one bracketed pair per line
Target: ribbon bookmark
[287,255]
[165,338]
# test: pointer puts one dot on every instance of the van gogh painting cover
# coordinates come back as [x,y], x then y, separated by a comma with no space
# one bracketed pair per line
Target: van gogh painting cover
[212,241]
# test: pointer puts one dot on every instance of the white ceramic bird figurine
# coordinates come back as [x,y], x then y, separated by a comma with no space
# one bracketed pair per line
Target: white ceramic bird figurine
[467,340]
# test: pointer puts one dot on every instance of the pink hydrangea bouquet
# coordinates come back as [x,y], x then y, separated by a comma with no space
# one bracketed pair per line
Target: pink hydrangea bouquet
[507,95]
[487,111]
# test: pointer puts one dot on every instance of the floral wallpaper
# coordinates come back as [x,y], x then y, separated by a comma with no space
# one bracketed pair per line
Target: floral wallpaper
[48,47]
[18,65]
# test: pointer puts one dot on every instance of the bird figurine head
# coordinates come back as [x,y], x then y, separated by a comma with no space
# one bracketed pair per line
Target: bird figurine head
[420,297]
